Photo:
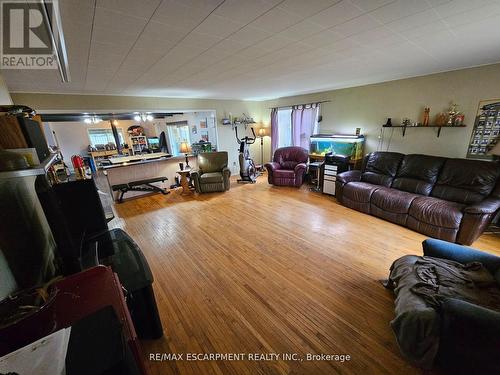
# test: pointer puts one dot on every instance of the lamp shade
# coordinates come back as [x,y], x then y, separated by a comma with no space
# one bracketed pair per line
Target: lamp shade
[263,131]
[495,150]
[184,147]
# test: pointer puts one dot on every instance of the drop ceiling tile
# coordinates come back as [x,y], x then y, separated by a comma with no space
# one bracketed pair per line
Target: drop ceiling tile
[399,9]
[76,12]
[273,43]
[450,8]
[231,45]
[249,35]
[116,21]
[178,14]
[243,10]
[420,19]
[337,14]
[218,26]
[307,8]
[378,38]
[104,59]
[369,5]
[142,8]
[474,15]
[111,48]
[437,27]
[356,25]
[106,35]
[200,41]
[276,20]
[324,38]
[302,30]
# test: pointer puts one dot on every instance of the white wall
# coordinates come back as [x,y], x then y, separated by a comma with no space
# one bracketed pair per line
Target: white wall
[73,136]
[5,98]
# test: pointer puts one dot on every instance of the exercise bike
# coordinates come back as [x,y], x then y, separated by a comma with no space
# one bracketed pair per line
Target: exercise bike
[248,171]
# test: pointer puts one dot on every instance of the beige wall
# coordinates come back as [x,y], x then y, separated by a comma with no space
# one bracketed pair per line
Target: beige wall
[5,98]
[369,107]
[227,141]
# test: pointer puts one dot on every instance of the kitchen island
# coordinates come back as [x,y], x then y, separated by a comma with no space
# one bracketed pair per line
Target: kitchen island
[128,169]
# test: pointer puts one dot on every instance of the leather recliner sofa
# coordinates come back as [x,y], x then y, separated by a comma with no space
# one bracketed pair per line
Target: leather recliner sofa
[449,199]
[288,167]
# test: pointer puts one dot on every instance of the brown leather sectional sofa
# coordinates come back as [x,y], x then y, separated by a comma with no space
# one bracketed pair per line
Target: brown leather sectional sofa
[450,199]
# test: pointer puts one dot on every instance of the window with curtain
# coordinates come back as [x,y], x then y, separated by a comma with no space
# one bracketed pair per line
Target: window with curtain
[284,127]
[295,125]
[103,136]
[176,135]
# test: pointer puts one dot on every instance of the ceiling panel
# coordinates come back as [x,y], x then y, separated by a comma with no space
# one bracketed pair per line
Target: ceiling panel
[261,48]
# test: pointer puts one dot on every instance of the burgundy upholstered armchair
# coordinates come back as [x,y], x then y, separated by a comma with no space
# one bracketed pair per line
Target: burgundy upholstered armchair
[288,167]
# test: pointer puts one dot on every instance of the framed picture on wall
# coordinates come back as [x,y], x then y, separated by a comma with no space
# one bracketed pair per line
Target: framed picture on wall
[485,134]
[203,124]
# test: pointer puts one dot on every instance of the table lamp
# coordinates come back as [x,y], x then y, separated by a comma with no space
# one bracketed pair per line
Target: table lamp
[185,149]
[261,133]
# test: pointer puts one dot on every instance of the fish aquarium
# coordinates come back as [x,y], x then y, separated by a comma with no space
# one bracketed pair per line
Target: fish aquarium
[347,145]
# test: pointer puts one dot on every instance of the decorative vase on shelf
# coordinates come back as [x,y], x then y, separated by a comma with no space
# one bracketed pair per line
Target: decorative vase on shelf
[441,119]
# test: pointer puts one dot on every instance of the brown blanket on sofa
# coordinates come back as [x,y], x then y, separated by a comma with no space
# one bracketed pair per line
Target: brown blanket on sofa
[420,284]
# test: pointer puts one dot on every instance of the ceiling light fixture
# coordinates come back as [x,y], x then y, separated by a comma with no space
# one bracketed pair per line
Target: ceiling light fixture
[92,120]
[143,117]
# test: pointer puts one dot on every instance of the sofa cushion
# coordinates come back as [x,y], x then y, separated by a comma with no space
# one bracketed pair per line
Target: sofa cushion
[284,173]
[393,200]
[437,212]
[418,173]
[466,181]
[380,168]
[209,162]
[211,178]
[288,164]
[359,191]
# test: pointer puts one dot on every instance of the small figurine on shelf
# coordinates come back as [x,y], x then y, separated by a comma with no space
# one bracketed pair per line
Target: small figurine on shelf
[406,122]
[459,119]
[425,121]
[452,112]
[441,119]
[388,124]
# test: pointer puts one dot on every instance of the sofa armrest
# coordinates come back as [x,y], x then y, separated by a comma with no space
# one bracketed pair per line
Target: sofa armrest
[226,174]
[488,206]
[300,168]
[470,337]
[195,177]
[458,253]
[272,166]
[349,176]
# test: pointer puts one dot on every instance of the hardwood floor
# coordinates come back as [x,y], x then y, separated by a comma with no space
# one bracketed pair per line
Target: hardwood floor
[263,269]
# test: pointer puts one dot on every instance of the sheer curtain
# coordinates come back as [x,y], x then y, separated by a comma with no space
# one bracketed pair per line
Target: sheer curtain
[304,124]
[274,130]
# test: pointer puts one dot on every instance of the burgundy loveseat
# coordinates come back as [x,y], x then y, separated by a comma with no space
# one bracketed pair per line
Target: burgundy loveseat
[288,167]
[450,199]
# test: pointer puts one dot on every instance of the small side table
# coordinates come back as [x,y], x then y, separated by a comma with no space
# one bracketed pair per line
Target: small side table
[184,181]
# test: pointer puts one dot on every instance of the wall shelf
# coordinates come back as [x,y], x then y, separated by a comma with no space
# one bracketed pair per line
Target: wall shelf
[439,127]
[39,169]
